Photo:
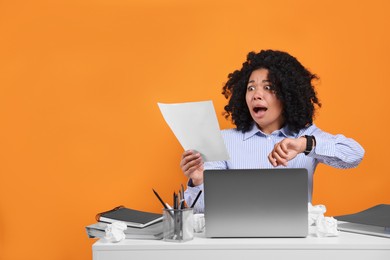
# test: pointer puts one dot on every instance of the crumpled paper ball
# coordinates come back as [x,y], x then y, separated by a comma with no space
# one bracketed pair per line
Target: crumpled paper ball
[326,227]
[115,231]
[199,223]
[320,225]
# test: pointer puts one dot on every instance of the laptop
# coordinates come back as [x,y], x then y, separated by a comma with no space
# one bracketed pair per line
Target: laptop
[256,203]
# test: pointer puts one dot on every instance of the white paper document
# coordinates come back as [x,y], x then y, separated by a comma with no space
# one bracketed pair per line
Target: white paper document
[196,127]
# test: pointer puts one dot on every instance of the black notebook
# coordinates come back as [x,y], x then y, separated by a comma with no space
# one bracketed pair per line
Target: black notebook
[131,217]
[373,221]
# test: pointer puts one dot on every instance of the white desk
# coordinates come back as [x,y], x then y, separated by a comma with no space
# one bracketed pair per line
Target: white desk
[346,246]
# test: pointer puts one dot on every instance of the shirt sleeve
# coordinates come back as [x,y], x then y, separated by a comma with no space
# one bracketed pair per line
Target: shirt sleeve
[190,194]
[336,150]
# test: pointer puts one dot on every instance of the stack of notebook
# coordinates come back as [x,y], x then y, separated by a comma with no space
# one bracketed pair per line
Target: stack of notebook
[140,224]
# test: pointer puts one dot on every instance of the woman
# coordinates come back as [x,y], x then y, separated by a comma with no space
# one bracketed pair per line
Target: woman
[272,103]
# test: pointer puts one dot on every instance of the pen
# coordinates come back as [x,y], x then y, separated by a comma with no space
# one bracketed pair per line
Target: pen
[159,198]
[162,202]
[182,204]
[176,217]
[175,200]
[196,199]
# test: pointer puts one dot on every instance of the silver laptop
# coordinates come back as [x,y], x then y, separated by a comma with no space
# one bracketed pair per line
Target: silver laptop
[256,203]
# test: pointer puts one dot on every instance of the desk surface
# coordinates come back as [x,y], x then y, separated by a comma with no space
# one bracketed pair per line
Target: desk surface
[345,241]
[345,245]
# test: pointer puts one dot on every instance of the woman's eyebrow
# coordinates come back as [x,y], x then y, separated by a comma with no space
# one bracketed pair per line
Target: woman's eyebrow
[263,81]
[266,81]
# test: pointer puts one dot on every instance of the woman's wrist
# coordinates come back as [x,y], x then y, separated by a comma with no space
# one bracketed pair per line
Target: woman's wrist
[193,183]
[197,182]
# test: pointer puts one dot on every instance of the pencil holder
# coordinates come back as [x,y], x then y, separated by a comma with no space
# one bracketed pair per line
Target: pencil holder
[178,224]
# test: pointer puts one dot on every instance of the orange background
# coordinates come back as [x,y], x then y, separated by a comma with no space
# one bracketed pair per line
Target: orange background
[80,80]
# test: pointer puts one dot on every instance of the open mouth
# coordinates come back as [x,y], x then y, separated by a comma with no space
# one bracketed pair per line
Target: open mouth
[259,109]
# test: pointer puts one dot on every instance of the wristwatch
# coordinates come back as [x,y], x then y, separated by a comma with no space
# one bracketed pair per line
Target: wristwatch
[310,142]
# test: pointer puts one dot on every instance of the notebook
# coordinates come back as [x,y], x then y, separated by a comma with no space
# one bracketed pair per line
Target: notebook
[131,217]
[374,221]
[256,203]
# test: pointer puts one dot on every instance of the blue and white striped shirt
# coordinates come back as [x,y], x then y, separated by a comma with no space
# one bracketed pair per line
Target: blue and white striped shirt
[250,150]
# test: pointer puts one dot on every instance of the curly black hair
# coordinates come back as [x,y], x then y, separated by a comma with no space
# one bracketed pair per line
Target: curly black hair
[292,84]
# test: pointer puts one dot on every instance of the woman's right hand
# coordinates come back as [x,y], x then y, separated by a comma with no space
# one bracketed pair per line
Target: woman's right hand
[192,166]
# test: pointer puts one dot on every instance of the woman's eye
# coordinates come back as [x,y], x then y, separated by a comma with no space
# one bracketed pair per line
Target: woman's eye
[250,88]
[268,87]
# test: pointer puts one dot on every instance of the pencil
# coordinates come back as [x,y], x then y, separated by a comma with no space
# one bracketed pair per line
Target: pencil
[162,202]
[196,199]
[159,198]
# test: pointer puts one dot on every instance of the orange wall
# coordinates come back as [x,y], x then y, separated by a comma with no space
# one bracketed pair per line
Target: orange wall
[80,129]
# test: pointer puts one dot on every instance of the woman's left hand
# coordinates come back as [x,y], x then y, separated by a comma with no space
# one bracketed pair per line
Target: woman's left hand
[286,150]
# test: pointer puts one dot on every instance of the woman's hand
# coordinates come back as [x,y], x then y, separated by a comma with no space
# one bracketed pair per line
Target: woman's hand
[192,166]
[287,150]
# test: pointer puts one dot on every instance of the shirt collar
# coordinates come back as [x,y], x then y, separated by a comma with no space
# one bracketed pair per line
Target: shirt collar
[285,131]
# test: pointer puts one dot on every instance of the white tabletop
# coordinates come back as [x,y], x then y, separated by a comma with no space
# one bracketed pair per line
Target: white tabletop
[345,240]
[345,246]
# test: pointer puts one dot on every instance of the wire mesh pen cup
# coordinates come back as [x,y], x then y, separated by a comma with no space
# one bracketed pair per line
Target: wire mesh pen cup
[178,224]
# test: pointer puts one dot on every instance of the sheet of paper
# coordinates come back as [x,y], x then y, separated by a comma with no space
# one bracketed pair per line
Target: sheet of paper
[196,127]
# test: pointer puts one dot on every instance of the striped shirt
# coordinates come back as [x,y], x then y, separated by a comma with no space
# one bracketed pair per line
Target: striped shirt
[250,150]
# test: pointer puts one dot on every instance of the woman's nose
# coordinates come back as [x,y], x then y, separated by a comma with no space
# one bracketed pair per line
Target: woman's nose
[258,94]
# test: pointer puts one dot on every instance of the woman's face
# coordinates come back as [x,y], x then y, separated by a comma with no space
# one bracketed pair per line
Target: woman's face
[264,107]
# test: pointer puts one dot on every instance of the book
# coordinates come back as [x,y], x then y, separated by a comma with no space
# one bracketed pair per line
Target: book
[131,217]
[154,231]
[372,221]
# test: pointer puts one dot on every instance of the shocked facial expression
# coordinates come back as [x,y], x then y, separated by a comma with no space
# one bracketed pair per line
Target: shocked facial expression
[264,106]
